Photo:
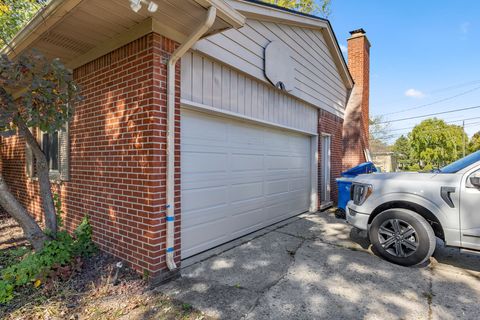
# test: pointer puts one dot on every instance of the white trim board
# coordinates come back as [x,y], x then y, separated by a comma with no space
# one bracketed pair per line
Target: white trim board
[209,109]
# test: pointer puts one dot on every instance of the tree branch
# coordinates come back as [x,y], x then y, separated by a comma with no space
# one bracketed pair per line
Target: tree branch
[32,231]
[43,173]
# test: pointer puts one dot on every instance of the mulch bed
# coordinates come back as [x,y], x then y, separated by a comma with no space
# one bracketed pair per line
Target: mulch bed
[11,234]
[96,292]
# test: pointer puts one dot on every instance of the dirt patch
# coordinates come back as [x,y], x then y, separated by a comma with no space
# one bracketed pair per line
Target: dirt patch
[11,235]
[94,293]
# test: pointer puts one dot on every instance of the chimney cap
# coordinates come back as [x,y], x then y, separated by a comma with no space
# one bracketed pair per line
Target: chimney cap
[361,31]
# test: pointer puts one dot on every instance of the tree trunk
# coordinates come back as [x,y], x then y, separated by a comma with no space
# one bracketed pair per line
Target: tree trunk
[43,173]
[32,231]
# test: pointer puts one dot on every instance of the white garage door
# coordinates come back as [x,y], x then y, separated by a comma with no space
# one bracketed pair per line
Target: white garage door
[238,177]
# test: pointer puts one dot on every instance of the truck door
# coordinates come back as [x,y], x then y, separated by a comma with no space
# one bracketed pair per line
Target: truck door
[470,211]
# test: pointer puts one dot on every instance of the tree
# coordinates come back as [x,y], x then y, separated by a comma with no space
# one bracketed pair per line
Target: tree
[34,93]
[401,151]
[474,144]
[435,143]
[14,14]
[379,135]
[305,6]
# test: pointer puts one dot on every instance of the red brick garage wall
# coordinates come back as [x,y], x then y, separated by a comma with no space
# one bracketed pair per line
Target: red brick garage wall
[117,154]
[331,124]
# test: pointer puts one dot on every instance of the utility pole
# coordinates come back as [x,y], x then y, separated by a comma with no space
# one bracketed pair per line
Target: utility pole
[464,134]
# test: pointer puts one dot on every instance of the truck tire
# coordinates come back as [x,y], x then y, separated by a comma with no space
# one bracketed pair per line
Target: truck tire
[402,236]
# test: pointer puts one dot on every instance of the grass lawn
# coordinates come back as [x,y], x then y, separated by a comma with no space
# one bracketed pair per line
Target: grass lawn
[89,294]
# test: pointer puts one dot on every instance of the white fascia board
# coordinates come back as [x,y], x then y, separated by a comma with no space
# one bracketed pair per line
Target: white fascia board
[43,20]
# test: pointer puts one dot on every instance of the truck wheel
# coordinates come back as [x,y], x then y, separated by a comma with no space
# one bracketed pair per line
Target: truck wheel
[402,236]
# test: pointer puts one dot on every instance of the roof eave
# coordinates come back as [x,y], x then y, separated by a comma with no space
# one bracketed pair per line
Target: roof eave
[226,12]
[43,20]
[56,10]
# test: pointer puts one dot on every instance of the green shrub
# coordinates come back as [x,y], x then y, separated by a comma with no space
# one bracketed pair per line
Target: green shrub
[84,246]
[37,267]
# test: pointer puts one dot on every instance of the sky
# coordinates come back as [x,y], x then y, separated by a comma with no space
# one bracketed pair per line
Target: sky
[425,57]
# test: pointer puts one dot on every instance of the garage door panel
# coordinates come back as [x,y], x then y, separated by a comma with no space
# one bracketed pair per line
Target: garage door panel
[204,162]
[278,162]
[249,177]
[204,198]
[277,186]
[203,129]
[247,162]
[299,162]
[278,212]
[242,207]
[275,175]
[203,217]
[298,172]
[246,191]
[287,202]
[244,177]
[201,240]
[200,183]
[298,185]
[202,148]
[245,135]
[248,222]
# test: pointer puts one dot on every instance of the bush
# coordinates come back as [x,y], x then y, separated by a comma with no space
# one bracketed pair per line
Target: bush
[58,255]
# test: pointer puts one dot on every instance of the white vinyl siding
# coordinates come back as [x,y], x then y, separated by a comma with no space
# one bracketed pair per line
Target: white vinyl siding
[238,177]
[216,85]
[317,78]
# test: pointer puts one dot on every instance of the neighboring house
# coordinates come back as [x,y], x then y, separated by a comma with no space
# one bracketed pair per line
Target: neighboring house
[385,161]
[255,113]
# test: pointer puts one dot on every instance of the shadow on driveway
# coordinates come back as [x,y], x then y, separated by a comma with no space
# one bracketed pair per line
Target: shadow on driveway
[317,267]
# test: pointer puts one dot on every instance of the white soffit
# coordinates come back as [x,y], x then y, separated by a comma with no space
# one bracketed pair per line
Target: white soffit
[69,29]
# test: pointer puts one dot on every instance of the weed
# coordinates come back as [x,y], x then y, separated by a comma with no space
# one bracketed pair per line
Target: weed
[59,259]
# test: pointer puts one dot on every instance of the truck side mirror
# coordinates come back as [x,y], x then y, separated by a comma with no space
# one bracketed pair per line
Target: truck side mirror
[475,181]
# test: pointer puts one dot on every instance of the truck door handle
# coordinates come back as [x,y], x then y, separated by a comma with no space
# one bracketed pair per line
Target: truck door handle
[445,193]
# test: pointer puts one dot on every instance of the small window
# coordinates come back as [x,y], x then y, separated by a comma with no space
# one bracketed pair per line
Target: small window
[50,148]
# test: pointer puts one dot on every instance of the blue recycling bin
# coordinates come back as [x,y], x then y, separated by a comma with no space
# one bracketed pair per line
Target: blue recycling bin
[366,167]
[345,182]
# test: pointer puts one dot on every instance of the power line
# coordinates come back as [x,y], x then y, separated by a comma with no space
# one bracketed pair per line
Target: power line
[432,130]
[430,114]
[431,103]
[461,85]
[448,122]
[464,84]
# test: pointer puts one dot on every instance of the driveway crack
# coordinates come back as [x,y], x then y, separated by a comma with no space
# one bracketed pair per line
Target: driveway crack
[265,290]
[429,294]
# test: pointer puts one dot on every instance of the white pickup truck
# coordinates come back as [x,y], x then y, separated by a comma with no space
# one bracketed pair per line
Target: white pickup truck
[405,212]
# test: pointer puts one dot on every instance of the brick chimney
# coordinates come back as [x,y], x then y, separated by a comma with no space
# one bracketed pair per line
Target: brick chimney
[356,122]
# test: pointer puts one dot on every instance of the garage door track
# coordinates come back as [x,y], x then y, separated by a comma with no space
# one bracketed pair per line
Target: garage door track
[316,267]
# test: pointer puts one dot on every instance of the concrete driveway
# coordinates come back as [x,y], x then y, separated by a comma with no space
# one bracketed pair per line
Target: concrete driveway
[316,267]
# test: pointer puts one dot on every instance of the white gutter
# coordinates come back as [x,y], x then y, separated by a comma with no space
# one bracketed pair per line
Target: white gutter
[172,62]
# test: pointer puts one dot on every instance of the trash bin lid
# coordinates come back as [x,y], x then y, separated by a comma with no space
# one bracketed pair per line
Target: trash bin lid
[366,167]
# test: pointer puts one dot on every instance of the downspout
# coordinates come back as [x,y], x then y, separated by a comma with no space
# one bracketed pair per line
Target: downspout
[172,62]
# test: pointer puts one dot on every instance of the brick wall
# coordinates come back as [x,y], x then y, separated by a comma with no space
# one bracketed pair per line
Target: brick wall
[357,113]
[359,66]
[330,124]
[117,161]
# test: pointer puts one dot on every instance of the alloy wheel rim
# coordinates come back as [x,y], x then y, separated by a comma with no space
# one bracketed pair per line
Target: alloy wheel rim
[398,238]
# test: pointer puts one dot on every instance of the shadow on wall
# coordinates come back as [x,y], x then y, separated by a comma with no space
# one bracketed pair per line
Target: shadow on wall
[117,157]
[354,139]
[13,166]
[311,269]
[105,153]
